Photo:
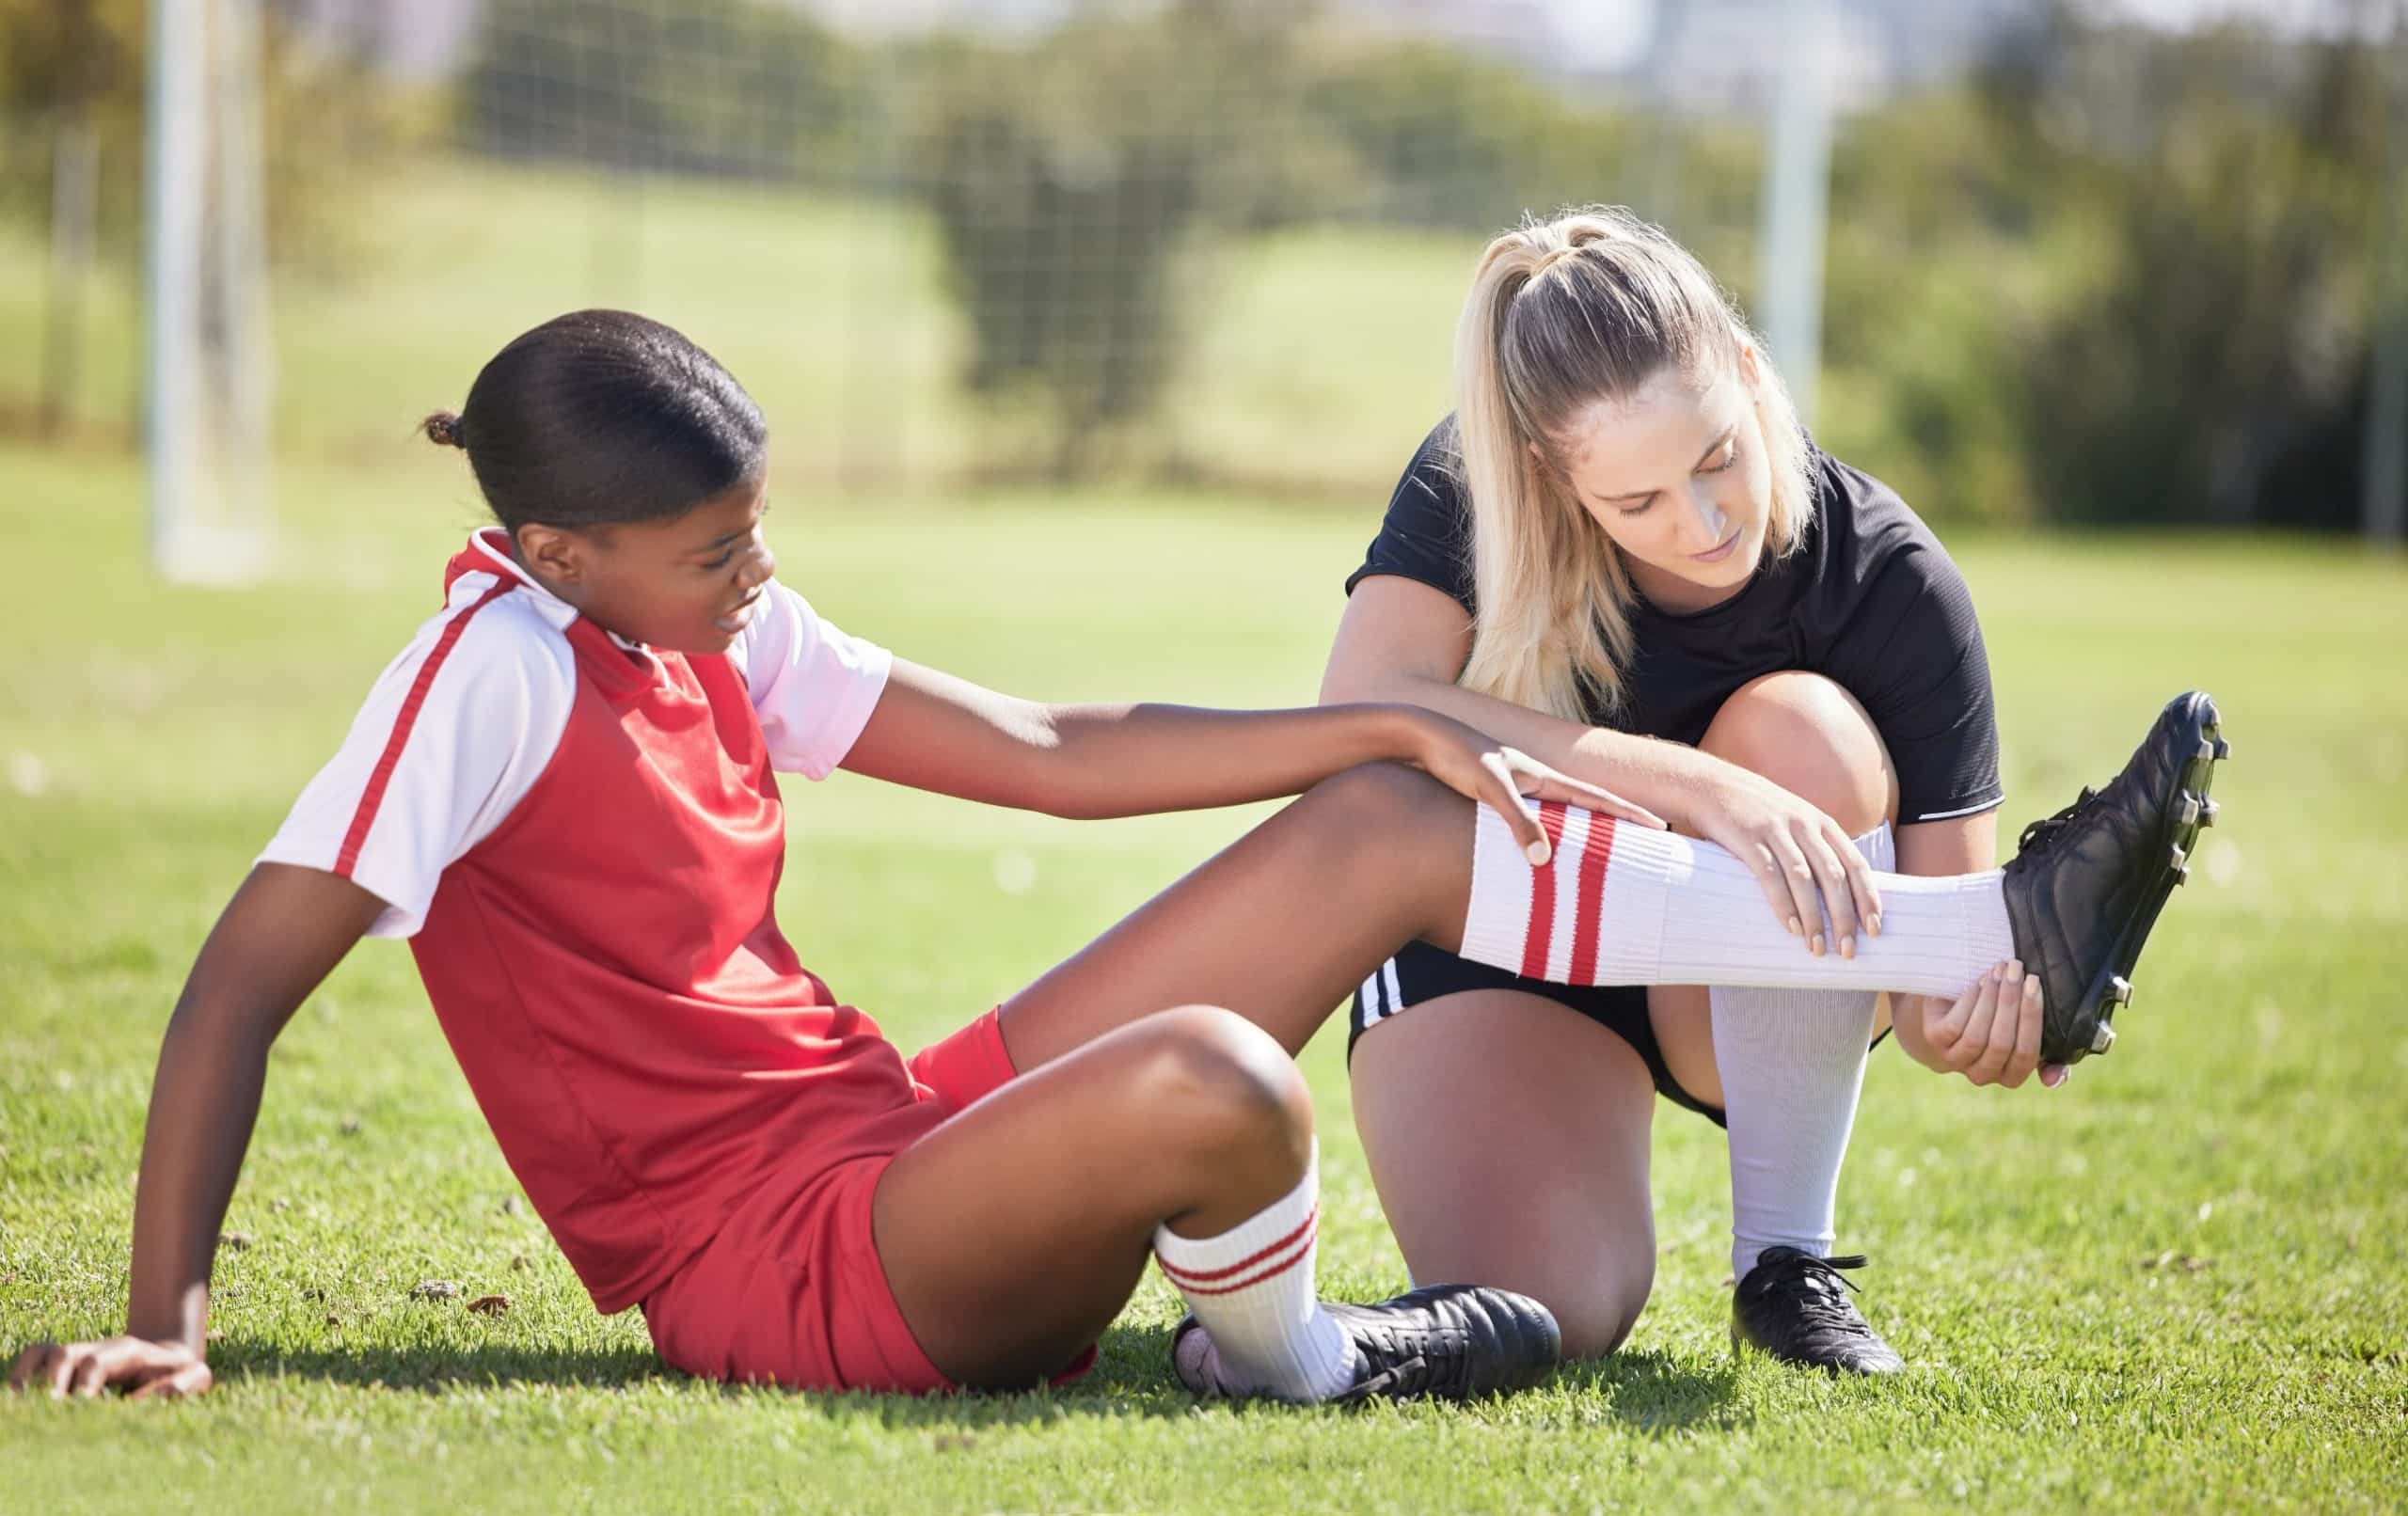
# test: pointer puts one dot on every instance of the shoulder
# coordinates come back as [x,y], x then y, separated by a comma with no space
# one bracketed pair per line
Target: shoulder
[494,660]
[492,634]
[785,631]
[1866,537]
[1434,479]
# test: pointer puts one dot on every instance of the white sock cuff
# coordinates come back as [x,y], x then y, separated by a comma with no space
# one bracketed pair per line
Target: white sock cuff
[1269,1242]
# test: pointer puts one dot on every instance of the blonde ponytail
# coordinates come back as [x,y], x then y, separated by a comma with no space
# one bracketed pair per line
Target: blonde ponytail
[1563,315]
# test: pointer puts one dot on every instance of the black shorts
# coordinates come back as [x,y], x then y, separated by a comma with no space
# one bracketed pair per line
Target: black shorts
[1422,972]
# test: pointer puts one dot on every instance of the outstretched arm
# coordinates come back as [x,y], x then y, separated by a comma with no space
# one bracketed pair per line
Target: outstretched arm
[284,931]
[934,732]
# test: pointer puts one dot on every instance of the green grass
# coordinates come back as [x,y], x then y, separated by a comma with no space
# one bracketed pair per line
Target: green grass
[2178,1284]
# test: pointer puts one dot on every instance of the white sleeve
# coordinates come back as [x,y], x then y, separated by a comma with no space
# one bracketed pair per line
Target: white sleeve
[811,684]
[457,732]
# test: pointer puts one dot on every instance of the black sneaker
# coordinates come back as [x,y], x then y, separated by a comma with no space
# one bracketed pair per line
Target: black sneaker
[1448,1342]
[2087,883]
[1793,1306]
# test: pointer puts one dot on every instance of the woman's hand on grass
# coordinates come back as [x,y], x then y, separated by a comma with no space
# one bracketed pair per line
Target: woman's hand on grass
[1482,769]
[142,1368]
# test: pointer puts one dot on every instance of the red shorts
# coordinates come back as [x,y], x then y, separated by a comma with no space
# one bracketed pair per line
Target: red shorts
[794,1295]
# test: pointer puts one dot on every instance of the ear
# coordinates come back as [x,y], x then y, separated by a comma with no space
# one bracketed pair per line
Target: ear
[557,555]
[1751,371]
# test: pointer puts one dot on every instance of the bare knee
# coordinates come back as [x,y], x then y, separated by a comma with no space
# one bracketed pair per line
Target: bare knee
[1233,1094]
[1379,801]
[1813,740]
[1597,1316]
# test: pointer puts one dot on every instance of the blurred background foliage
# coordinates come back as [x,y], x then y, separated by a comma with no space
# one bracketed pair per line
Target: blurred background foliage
[2103,273]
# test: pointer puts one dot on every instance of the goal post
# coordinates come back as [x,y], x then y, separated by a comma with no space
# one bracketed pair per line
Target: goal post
[207,370]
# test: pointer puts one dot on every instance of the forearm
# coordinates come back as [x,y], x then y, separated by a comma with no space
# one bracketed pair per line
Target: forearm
[1138,760]
[1665,777]
[203,1102]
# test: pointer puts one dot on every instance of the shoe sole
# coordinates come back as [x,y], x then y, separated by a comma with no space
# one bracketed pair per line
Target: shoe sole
[1742,1345]
[2188,812]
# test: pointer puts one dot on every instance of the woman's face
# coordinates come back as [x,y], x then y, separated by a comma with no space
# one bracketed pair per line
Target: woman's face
[686,583]
[1676,475]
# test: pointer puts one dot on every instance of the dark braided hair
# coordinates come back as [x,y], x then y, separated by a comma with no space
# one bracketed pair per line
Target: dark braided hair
[601,416]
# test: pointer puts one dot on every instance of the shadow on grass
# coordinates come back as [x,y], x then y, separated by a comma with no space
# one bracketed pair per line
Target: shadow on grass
[1652,1392]
[1656,1391]
[1131,1379]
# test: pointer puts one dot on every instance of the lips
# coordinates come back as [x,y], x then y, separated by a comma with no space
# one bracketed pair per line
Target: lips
[737,619]
[1721,549]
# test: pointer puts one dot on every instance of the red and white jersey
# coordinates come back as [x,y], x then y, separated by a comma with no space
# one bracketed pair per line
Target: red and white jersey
[582,839]
[434,764]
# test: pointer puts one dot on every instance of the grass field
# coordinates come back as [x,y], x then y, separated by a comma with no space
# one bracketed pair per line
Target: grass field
[2177,1284]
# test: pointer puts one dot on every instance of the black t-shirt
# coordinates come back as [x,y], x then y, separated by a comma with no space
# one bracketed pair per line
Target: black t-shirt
[1870,600]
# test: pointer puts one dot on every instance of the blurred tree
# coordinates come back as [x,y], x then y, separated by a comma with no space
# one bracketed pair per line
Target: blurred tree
[1070,176]
[2213,369]
[720,86]
[1447,138]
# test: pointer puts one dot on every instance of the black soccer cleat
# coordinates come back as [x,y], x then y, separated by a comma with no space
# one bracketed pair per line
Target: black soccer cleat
[1445,1342]
[2087,885]
[1795,1306]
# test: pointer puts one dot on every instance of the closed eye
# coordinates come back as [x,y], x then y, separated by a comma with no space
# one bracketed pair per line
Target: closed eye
[1729,456]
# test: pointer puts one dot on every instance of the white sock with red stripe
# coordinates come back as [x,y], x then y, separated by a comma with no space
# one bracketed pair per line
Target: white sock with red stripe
[1252,1291]
[1621,904]
[1792,1063]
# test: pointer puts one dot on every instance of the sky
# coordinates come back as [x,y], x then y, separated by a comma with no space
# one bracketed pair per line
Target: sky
[1608,33]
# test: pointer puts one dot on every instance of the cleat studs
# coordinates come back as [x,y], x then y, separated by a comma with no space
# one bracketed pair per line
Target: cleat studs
[2120,991]
[2104,1038]
[2224,749]
[2180,858]
[2208,751]
[2190,813]
[2182,877]
[2208,814]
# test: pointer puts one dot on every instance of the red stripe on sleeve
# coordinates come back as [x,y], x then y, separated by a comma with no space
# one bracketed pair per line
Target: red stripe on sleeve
[365,817]
[1594,854]
[1541,937]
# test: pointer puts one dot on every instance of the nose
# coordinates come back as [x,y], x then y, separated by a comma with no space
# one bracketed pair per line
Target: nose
[1712,521]
[758,568]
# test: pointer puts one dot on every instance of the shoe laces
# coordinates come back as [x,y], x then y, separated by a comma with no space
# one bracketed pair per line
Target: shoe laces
[1808,1280]
[1436,1364]
[2046,831]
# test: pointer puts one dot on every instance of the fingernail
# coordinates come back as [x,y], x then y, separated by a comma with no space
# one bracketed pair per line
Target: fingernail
[2052,1077]
[1817,947]
[1848,947]
[1796,930]
[2015,968]
[1873,925]
[1536,853]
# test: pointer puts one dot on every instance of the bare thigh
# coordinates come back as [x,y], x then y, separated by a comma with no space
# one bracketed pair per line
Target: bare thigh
[1509,1139]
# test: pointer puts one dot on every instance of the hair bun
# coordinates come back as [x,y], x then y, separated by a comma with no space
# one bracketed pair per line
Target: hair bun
[444,426]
